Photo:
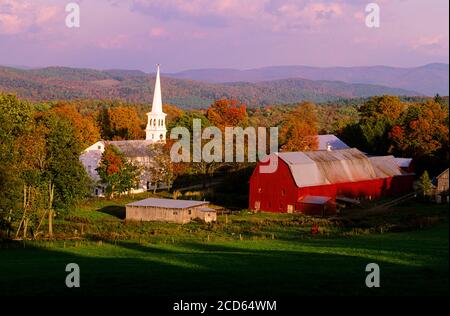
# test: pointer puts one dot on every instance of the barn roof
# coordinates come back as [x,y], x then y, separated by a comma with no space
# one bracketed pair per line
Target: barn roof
[312,168]
[132,148]
[167,203]
[331,139]
[403,162]
[385,166]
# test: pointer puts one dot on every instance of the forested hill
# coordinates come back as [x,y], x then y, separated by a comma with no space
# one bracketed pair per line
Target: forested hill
[58,83]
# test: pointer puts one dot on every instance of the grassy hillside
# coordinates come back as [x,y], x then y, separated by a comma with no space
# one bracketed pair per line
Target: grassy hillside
[243,254]
[58,83]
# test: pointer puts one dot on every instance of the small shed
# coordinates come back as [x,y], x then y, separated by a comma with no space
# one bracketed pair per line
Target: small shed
[316,205]
[441,184]
[167,210]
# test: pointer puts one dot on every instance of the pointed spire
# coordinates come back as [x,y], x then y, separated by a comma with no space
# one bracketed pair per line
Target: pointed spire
[157,101]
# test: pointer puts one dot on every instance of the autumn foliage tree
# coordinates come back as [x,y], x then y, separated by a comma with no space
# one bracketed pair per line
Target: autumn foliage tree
[299,132]
[121,123]
[116,172]
[86,130]
[223,113]
[422,130]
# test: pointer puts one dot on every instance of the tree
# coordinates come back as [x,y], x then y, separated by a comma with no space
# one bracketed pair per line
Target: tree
[15,119]
[121,122]
[64,169]
[384,107]
[377,117]
[425,186]
[299,132]
[223,113]
[116,172]
[421,131]
[85,128]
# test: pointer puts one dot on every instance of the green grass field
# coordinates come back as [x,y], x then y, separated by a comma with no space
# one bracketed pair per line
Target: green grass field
[243,254]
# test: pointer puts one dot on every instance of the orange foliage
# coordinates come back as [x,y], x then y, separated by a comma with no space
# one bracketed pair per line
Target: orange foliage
[299,133]
[86,130]
[125,123]
[113,161]
[223,113]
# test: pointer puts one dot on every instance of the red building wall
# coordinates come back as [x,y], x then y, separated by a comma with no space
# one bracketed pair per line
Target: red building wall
[276,191]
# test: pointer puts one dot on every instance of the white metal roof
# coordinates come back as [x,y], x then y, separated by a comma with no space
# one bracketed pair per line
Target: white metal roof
[167,203]
[312,168]
[403,162]
[332,140]
[385,166]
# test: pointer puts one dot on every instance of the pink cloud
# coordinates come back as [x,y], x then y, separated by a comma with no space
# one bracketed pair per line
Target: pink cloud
[158,32]
[114,42]
[19,16]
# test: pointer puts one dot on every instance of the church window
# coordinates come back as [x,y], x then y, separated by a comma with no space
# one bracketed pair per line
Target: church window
[161,136]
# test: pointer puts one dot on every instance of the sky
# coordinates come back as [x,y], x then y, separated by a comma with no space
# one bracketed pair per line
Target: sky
[242,34]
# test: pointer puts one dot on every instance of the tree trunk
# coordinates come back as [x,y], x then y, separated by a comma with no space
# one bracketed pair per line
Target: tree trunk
[50,209]
[50,223]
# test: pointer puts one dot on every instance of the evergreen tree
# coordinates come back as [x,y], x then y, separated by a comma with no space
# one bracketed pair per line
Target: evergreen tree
[425,186]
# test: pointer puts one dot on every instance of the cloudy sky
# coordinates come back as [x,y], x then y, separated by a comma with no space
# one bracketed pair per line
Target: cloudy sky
[188,34]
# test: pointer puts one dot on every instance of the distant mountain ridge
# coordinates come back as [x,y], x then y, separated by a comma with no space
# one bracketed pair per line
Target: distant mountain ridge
[427,80]
[59,83]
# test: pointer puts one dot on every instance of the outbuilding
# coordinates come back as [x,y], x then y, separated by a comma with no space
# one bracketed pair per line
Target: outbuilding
[167,210]
[309,182]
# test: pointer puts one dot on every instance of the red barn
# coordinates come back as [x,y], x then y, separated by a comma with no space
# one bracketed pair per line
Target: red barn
[309,182]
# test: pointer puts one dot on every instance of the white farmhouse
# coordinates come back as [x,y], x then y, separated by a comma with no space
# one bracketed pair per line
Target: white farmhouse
[135,150]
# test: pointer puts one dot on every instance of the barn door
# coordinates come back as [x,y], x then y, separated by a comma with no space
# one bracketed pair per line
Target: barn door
[290,208]
[257,205]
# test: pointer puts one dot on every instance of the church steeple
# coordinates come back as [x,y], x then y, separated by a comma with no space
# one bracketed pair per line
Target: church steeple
[156,123]
[157,100]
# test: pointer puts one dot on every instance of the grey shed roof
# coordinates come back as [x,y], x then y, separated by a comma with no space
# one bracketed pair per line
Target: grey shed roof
[167,203]
[331,139]
[315,199]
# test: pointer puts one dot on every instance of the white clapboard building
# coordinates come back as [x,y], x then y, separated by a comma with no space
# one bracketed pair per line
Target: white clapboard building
[135,150]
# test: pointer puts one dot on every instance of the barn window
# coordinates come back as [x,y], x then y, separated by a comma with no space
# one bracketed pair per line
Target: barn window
[283,192]
[281,206]
[259,190]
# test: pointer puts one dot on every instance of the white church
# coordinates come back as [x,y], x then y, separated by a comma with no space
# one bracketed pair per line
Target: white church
[135,150]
